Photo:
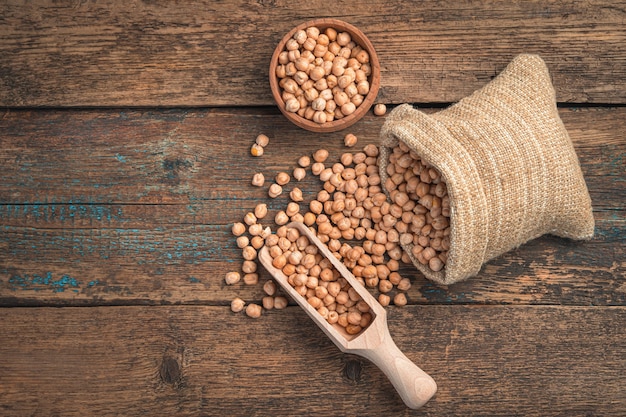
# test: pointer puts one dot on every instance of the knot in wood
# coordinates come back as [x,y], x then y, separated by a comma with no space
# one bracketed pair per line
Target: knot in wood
[352,369]
[170,370]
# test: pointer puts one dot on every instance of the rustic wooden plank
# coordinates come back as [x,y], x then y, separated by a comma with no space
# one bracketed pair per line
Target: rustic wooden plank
[121,53]
[111,207]
[182,360]
[189,155]
[186,264]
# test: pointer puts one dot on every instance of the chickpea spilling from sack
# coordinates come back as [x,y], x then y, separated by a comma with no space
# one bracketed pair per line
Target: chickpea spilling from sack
[315,278]
[323,76]
[362,226]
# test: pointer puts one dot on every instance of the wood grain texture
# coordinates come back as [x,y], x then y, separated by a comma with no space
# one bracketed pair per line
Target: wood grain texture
[488,360]
[206,53]
[116,207]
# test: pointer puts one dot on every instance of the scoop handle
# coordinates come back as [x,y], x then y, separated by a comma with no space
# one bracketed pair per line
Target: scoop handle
[414,386]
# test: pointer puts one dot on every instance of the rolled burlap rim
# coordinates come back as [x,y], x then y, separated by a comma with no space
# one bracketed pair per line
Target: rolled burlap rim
[509,165]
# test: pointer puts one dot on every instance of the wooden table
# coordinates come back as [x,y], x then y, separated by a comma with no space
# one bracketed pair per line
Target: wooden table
[124,157]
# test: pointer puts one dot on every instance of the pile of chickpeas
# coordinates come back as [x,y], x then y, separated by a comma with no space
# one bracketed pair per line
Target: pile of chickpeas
[323,75]
[361,225]
[314,277]
[422,194]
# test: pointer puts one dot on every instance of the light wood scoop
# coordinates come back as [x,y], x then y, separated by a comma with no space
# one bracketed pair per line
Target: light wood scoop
[374,342]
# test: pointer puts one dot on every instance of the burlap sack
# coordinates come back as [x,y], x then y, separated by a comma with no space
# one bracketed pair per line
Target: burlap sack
[509,165]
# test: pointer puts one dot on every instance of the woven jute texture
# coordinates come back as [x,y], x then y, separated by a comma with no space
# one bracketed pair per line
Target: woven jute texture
[509,165]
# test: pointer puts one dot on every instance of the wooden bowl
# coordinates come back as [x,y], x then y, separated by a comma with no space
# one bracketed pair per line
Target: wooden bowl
[374,79]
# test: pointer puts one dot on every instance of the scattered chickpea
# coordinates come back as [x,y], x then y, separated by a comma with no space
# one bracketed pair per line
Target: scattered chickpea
[249,219]
[251,279]
[296,194]
[232,277]
[254,310]
[317,168]
[237,305]
[304,161]
[262,140]
[281,218]
[243,241]
[280,302]
[299,173]
[350,140]
[249,253]
[268,302]
[260,211]
[256,150]
[269,287]
[380,109]
[384,300]
[249,267]
[320,155]
[400,299]
[258,179]
[282,178]
[238,229]
[275,190]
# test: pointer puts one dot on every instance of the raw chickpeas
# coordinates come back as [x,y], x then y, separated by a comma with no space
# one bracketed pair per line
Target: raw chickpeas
[380,109]
[363,227]
[315,278]
[237,305]
[421,192]
[323,76]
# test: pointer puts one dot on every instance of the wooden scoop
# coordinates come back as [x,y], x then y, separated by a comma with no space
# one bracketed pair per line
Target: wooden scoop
[374,342]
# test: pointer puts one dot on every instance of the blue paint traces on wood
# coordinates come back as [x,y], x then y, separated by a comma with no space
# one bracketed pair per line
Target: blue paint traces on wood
[62,212]
[48,281]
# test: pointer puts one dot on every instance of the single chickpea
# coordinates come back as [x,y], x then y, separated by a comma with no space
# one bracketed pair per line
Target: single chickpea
[343,38]
[348,108]
[400,299]
[291,105]
[238,229]
[269,287]
[296,195]
[300,36]
[299,173]
[384,300]
[320,155]
[237,305]
[304,161]
[404,284]
[257,150]
[275,190]
[380,109]
[232,277]
[249,253]
[280,302]
[260,211]
[350,140]
[262,140]
[268,302]
[248,267]
[254,310]
[292,209]
[251,279]
[282,178]
[317,168]
[435,264]
[243,241]
[249,219]
[258,179]
[281,218]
